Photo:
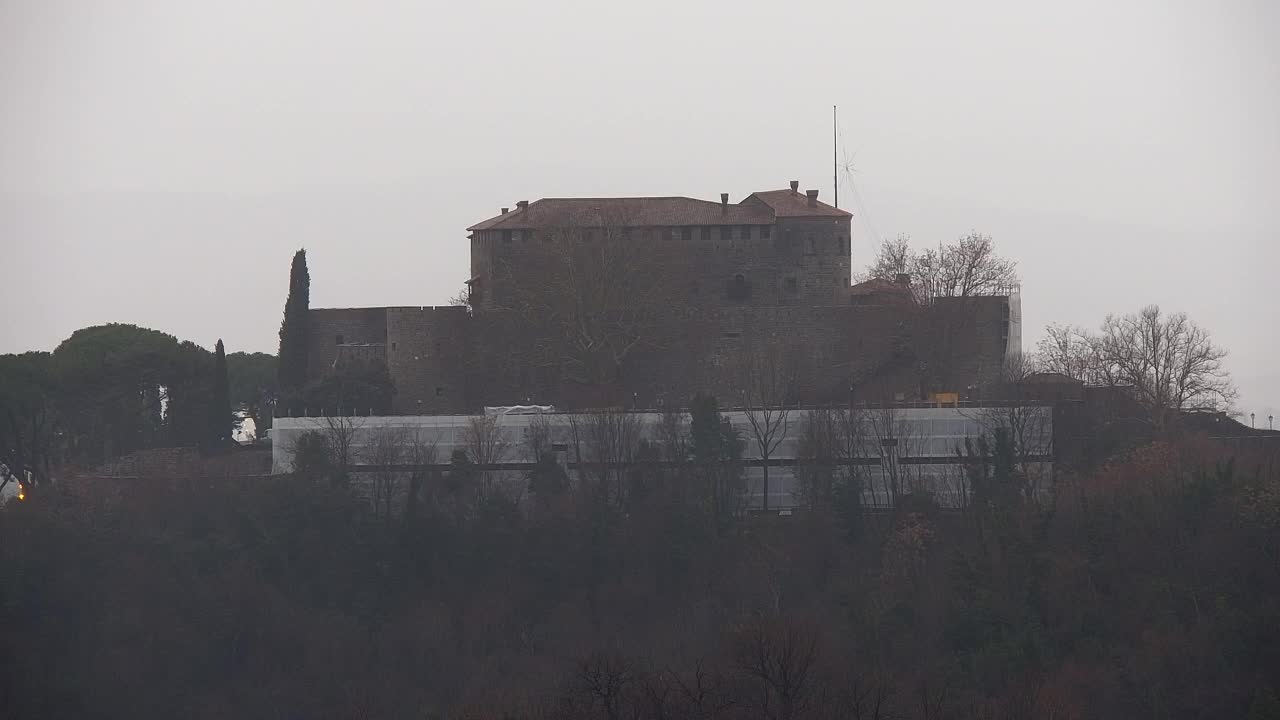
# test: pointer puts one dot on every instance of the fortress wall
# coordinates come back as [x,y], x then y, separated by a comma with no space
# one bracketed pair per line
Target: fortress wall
[427,354]
[444,360]
[331,327]
[702,349]
[796,262]
[819,255]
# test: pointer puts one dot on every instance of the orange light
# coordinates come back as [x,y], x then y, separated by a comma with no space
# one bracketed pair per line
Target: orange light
[22,495]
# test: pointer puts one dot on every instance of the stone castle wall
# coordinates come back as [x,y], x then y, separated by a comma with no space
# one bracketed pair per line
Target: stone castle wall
[331,327]
[795,262]
[446,360]
[427,351]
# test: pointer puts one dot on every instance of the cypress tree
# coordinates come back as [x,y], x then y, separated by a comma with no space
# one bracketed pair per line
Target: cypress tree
[293,329]
[220,420]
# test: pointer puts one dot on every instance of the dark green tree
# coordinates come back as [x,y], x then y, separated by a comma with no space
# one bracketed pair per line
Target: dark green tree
[112,381]
[28,417]
[189,393]
[293,329]
[311,456]
[220,421]
[717,448]
[251,379]
[547,479]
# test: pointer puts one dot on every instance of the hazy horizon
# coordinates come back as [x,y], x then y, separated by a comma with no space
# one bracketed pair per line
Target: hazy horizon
[160,162]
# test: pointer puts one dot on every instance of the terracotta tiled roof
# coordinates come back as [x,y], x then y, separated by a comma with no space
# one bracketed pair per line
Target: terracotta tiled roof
[788,203]
[626,212]
[762,208]
[878,285]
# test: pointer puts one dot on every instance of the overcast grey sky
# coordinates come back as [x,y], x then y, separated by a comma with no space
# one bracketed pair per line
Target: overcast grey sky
[160,161]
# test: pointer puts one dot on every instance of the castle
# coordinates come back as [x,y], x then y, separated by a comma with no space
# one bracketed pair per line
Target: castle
[639,302]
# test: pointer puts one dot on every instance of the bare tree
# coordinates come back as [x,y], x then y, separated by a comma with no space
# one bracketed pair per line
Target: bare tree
[768,377]
[866,697]
[605,442]
[385,448]
[890,436]
[1171,363]
[419,455]
[1076,353]
[604,680]
[895,258]
[487,443]
[673,436]
[340,435]
[780,658]
[967,268]
[970,267]
[830,442]
[539,437]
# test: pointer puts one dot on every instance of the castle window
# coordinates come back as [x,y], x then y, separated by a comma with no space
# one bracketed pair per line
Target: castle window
[764,232]
[506,236]
[686,234]
[439,391]
[791,285]
[746,232]
[704,233]
[810,247]
[393,345]
[339,340]
[724,232]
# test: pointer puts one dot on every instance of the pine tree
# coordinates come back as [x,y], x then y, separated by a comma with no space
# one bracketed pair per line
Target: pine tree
[293,329]
[220,420]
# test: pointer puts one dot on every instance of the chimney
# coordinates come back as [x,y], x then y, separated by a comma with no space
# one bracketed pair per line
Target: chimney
[795,186]
[724,203]
[504,210]
[903,279]
[522,205]
[813,197]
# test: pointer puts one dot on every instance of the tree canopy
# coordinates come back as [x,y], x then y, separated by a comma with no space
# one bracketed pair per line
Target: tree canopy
[252,386]
[106,391]
[968,267]
[1168,361]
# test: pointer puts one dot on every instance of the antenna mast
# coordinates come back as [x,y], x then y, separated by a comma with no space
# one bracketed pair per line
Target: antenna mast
[835,179]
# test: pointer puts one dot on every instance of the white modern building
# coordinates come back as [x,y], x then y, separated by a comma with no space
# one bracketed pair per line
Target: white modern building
[902,449]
